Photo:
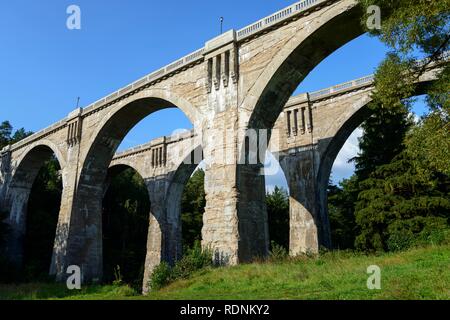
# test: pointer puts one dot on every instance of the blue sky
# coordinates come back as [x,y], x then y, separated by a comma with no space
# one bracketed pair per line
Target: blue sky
[44,66]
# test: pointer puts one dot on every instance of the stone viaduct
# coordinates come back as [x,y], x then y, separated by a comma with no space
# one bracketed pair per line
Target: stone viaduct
[240,82]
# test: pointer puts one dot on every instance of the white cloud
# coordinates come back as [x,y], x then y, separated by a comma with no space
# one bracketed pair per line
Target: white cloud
[341,168]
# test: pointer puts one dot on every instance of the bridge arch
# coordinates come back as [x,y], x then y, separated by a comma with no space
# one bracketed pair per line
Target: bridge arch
[140,105]
[44,144]
[347,123]
[319,38]
[24,174]
[95,161]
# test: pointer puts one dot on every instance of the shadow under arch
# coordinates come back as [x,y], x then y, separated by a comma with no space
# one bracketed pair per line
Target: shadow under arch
[18,197]
[125,221]
[84,241]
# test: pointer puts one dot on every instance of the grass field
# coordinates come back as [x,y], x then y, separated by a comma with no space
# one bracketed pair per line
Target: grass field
[422,273]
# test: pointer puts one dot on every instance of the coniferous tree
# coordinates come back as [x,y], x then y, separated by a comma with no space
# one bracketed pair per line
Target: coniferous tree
[192,207]
[397,206]
[400,184]
[341,212]
[278,214]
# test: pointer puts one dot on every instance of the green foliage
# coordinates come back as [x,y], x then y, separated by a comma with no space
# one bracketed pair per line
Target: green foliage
[7,137]
[404,234]
[192,207]
[341,208]
[419,273]
[160,277]
[278,214]
[412,30]
[126,208]
[429,143]
[400,190]
[278,253]
[396,204]
[412,24]
[194,260]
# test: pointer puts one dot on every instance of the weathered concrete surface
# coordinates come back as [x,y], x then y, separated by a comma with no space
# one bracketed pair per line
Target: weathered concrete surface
[241,80]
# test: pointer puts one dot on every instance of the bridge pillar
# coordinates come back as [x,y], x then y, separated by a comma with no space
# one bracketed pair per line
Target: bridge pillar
[159,239]
[235,218]
[235,222]
[66,233]
[78,240]
[309,226]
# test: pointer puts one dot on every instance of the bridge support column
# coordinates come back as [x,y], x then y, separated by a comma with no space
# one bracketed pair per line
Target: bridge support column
[235,218]
[308,222]
[164,233]
[60,257]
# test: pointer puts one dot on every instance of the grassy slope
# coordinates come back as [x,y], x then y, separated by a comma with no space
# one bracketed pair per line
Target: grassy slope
[422,273]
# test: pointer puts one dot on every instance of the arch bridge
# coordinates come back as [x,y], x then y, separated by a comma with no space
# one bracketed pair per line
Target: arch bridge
[239,81]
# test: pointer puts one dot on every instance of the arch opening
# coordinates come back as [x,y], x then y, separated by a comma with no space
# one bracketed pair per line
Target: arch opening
[125,220]
[86,223]
[35,199]
[294,67]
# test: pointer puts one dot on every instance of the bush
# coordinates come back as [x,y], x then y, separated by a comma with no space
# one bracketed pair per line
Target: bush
[194,260]
[417,231]
[160,277]
[400,240]
[278,253]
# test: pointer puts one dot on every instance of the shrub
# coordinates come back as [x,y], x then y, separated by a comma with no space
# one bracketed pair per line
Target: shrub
[417,231]
[278,253]
[194,260]
[160,276]
[400,240]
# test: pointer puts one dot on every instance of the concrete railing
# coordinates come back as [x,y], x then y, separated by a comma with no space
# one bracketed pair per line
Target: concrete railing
[342,88]
[41,133]
[297,8]
[155,142]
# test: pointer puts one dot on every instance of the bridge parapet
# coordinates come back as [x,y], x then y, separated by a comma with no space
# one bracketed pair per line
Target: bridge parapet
[154,144]
[299,8]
